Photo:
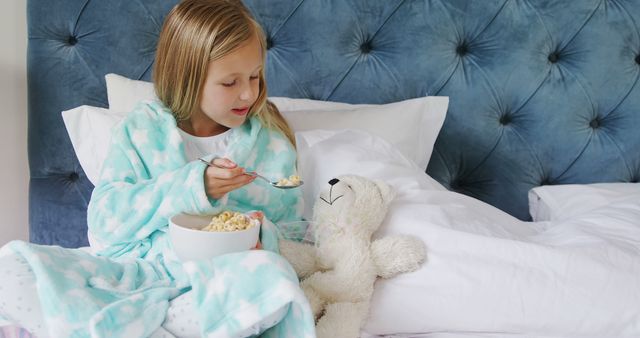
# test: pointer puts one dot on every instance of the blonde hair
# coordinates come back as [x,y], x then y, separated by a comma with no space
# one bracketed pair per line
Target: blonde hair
[195,33]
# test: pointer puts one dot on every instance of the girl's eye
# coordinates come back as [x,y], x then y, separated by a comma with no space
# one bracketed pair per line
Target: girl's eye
[229,84]
[254,77]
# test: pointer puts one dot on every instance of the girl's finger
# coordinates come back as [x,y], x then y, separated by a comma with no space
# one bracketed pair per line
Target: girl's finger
[258,246]
[259,215]
[234,186]
[224,173]
[234,181]
[221,187]
[218,187]
[223,163]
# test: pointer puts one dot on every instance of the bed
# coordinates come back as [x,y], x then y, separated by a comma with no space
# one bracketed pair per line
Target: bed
[540,94]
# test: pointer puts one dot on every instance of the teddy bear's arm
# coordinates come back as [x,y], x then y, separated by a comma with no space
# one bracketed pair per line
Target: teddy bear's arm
[397,254]
[301,256]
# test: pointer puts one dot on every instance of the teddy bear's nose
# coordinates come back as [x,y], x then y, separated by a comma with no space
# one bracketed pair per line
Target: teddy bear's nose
[334,181]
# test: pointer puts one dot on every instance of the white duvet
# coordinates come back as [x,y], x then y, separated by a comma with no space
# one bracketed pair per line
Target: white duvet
[580,277]
[488,272]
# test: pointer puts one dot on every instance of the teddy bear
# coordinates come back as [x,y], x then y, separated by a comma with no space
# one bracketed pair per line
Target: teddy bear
[338,272]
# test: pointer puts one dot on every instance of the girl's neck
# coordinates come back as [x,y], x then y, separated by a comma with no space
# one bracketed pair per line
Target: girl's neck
[201,128]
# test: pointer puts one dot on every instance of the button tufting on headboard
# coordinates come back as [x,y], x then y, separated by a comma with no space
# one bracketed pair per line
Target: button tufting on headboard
[72,40]
[366,47]
[269,43]
[73,177]
[462,49]
[505,119]
[595,123]
[638,59]
[546,181]
[554,57]
[454,185]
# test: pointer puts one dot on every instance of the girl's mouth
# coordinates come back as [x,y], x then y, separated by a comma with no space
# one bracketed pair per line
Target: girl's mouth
[240,111]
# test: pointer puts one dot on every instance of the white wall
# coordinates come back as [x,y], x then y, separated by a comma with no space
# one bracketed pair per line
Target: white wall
[14,170]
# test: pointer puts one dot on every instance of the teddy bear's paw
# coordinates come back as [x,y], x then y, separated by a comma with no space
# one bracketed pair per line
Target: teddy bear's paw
[398,254]
[342,320]
[301,257]
[316,302]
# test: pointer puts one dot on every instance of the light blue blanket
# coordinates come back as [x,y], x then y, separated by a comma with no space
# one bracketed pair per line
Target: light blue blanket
[124,290]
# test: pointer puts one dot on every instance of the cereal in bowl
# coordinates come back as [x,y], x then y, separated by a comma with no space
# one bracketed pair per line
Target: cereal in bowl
[230,221]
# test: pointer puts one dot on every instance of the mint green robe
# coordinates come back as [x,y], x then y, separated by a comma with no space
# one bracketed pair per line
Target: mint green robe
[124,289]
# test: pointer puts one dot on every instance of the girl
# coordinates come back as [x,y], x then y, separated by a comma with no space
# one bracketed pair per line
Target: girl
[210,82]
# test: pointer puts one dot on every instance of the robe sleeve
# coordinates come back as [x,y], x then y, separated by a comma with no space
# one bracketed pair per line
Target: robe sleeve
[128,205]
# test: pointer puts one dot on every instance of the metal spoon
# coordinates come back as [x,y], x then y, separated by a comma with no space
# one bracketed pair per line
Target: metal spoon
[255,174]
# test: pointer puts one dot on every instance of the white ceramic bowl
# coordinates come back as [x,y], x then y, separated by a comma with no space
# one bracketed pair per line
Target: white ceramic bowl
[191,243]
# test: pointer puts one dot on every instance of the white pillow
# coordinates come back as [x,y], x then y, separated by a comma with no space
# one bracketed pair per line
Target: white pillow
[123,93]
[558,202]
[89,129]
[411,125]
[325,154]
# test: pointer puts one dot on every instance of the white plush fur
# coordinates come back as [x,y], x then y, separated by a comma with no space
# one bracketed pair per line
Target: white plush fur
[339,272]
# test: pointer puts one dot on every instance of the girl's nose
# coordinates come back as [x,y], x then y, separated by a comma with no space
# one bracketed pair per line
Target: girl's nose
[247,93]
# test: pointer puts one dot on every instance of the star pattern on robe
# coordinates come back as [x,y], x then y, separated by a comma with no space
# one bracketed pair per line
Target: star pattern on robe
[175,139]
[88,266]
[257,194]
[255,260]
[140,137]
[107,174]
[251,161]
[218,285]
[277,145]
[296,310]
[164,179]
[142,203]
[128,310]
[249,315]
[160,157]
[101,204]
[166,208]
[111,224]
[134,159]
[193,178]
[134,329]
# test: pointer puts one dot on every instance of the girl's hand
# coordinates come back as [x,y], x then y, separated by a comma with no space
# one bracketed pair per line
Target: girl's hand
[258,246]
[224,176]
[259,215]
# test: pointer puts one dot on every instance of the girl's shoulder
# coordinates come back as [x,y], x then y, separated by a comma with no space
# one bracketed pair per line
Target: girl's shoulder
[272,140]
[253,134]
[151,113]
[256,127]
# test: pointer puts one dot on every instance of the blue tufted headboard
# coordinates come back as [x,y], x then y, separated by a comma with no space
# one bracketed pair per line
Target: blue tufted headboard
[541,91]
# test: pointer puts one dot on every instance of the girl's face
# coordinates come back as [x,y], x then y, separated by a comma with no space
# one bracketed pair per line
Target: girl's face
[230,89]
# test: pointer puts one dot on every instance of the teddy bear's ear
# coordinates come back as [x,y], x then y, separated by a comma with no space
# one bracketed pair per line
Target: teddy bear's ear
[385,190]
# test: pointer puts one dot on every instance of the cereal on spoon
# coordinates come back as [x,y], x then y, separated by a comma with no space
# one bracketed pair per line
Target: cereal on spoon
[291,181]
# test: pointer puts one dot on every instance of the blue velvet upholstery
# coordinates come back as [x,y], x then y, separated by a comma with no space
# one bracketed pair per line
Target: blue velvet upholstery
[541,91]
